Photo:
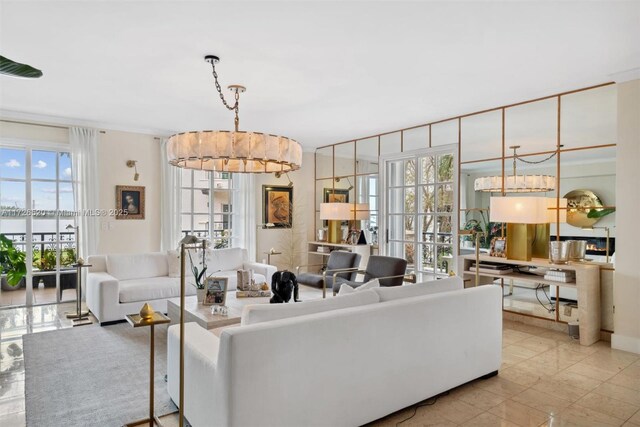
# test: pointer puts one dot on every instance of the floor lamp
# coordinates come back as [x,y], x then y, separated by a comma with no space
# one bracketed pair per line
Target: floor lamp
[188,242]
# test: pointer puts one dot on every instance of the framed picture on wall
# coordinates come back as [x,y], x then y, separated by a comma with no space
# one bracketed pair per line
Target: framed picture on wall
[129,202]
[335,195]
[277,206]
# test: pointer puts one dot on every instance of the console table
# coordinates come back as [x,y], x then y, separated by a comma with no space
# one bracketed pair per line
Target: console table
[324,249]
[587,284]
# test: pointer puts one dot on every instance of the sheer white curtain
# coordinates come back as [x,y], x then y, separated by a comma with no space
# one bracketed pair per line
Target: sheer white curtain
[170,201]
[244,213]
[84,158]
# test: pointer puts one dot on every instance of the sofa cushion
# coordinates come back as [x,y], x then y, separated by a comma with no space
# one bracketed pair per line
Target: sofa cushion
[151,288]
[257,313]
[225,259]
[346,289]
[173,261]
[137,266]
[414,290]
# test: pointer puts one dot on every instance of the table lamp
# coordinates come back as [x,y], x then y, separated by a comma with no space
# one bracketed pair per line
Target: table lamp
[527,221]
[335,213]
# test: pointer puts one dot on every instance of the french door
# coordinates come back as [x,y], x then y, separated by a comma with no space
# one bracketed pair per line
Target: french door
[420,209]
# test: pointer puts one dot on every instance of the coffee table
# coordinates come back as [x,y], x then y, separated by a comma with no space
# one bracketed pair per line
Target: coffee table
[201,314]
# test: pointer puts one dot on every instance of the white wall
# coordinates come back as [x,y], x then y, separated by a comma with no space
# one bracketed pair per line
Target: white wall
[125,236]
[129,236]
[303,218]
[627,274]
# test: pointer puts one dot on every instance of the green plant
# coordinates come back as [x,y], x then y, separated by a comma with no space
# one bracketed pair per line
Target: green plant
[198,274]
[16,69]
[11,261]
[490,230]
[599,213]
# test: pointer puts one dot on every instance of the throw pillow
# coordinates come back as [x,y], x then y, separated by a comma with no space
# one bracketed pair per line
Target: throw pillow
[174,263]
[346,289]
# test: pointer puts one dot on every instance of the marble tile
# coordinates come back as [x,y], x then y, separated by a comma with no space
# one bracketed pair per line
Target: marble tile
[601,373]
[577,380]
[519,350]
[480,398]
[607,405]
[541,401]
[624,380]
[635,419]
[520,375]
[16,419]
[618,392]
[519,414]
[560,389]
[539,344]
[576,416]
[501,386]
[456,411]
[489,420]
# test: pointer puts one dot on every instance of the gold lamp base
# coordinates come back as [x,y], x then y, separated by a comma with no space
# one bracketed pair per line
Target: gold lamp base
[335,231]
[526,241]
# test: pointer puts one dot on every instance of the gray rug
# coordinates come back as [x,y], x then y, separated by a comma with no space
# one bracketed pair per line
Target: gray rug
[92,375]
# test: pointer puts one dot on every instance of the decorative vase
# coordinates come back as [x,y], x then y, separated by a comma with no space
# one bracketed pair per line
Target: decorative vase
[200,295]
[146,312]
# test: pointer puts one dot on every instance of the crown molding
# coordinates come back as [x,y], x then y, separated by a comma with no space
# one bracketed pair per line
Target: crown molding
[626,76]
[44,119]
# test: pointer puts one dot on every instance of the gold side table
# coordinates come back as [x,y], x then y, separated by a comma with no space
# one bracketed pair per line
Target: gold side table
[268,254]
[79,317]
[137,321]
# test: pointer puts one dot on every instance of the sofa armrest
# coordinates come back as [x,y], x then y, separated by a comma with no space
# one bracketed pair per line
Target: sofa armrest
[102,293]
[265,269]
[200,360]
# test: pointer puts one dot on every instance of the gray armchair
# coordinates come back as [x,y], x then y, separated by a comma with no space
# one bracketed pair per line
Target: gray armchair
[342,265]
[389,270]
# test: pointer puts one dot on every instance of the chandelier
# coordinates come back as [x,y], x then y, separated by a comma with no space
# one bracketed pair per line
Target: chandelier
[517,183]
[233,151]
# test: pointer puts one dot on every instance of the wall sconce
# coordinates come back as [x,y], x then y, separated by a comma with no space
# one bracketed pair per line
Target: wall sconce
[349,181]
[279,174]
[133,164]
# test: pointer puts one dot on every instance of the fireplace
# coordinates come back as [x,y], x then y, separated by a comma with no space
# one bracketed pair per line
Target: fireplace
[595,245]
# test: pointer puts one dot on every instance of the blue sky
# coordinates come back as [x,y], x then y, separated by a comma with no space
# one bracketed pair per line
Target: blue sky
[43,166]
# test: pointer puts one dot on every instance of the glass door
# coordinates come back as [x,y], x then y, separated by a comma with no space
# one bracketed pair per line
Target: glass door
[419,209]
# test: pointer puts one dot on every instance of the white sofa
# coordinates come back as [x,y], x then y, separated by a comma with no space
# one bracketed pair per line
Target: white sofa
[372,353]
[120,284]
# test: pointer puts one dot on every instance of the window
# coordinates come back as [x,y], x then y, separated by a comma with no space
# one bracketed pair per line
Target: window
[207,208]
[37,204]
[420,209]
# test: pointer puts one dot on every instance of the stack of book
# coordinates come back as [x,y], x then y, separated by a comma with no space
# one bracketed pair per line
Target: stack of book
[491,268]
[565,276]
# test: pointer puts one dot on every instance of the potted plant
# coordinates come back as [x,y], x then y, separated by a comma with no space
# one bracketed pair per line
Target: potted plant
[199,275]
[12,263]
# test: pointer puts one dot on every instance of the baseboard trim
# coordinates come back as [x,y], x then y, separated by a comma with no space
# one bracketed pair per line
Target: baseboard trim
[621,342]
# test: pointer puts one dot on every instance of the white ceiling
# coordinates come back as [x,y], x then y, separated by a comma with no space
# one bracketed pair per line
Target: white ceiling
[318,72]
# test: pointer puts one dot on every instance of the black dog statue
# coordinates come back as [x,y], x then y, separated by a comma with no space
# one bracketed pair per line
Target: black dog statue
[283,284]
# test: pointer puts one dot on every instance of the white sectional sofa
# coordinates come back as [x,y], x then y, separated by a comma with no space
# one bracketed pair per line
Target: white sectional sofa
[120,284]
[343,361]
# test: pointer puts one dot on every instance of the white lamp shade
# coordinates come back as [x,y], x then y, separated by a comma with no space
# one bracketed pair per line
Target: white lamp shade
[519,210]
[360,211]
[339,211]
[552,208]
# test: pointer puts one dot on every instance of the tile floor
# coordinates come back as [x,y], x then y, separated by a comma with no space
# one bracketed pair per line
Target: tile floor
[546,379]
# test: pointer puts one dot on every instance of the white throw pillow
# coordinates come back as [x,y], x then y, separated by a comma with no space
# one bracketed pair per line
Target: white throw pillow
[173,257]
[346,289]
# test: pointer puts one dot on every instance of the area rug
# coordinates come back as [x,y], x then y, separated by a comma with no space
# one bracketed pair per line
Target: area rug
[93,376]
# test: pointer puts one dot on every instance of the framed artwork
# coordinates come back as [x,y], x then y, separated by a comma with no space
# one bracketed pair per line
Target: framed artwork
[129,202]
[498,247]
[215,291]
[335,195]
[277,206]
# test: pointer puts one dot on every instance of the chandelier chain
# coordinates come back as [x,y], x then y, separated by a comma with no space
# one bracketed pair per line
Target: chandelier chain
[531,162]
[236,106]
